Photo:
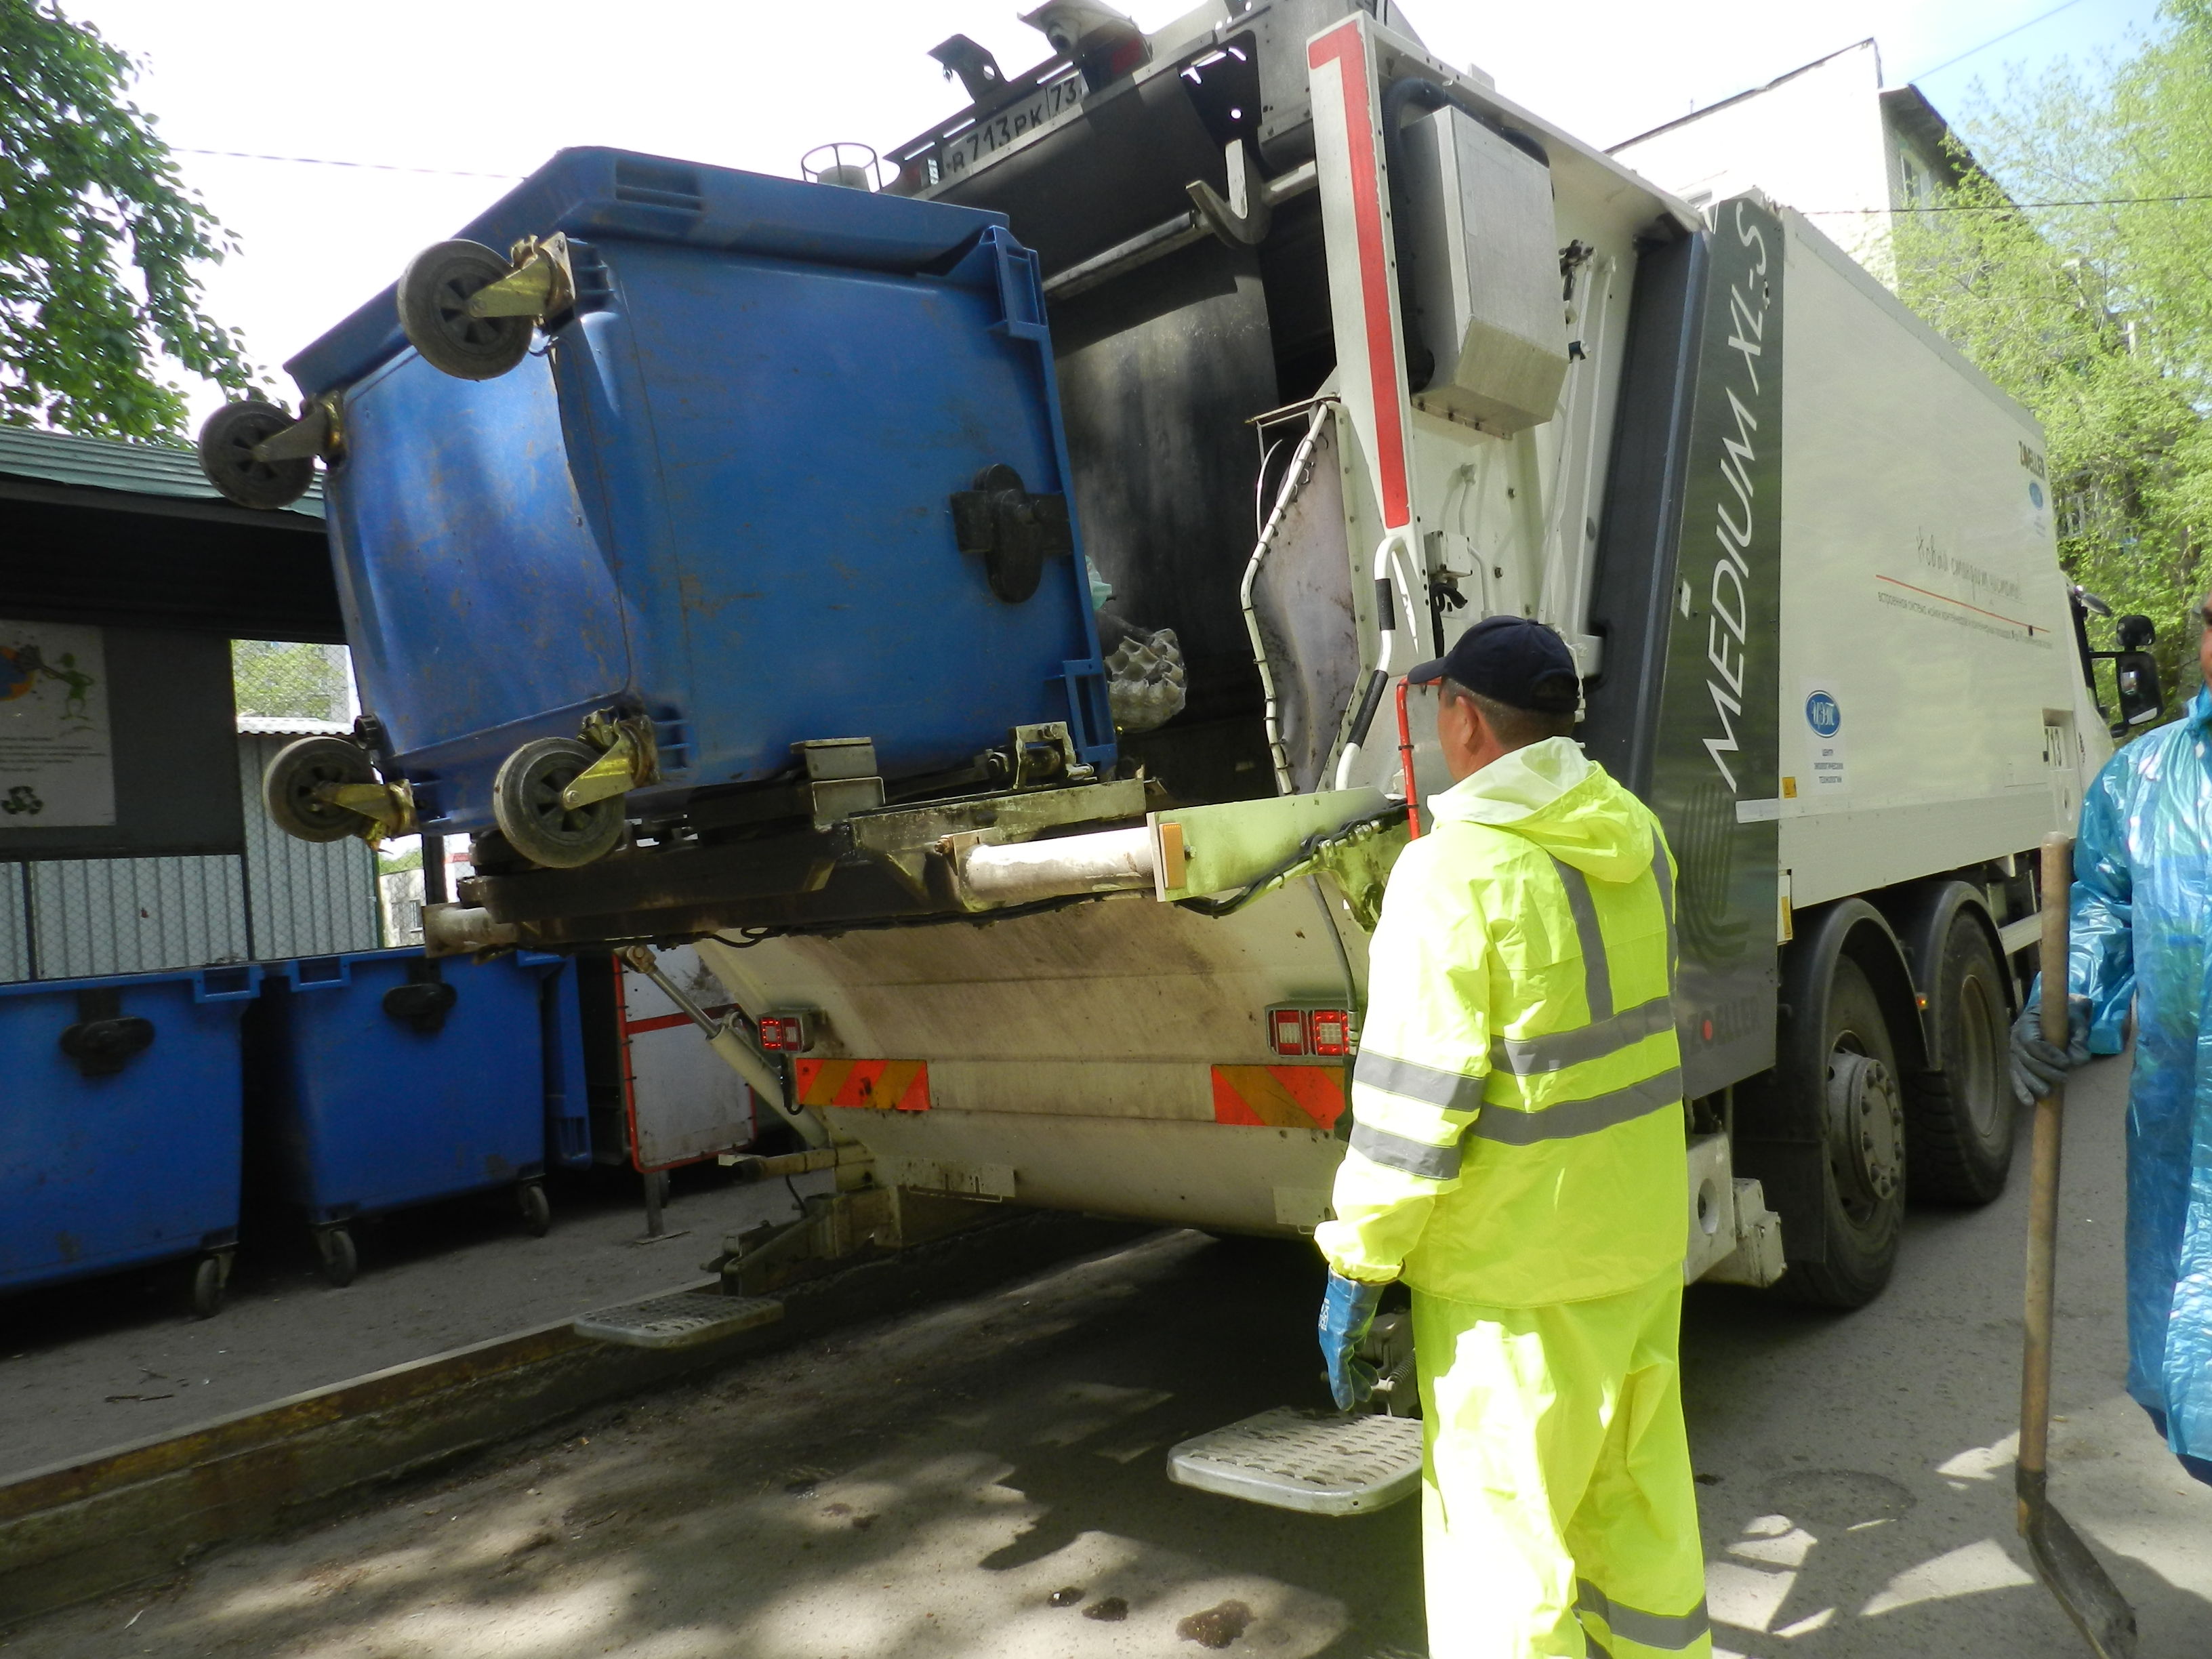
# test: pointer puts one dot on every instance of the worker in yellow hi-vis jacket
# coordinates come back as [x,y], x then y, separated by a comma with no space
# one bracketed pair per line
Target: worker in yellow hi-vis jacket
[1518,1158]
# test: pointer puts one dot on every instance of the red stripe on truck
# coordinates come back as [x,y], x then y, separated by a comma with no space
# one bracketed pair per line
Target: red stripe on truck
[1346,47]
[1278,1096]
[883,1086]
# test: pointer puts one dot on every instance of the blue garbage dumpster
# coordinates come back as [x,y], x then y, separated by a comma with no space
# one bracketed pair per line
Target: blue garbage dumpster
[787,468]
[120,1124]
[386,1079]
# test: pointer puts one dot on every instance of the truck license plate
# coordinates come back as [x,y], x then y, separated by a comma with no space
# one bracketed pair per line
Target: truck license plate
[994,132]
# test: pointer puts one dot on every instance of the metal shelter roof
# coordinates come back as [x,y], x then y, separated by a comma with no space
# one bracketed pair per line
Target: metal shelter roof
[96,530]
[137,469]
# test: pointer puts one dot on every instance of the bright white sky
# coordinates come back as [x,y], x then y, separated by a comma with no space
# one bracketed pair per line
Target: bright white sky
[747,83]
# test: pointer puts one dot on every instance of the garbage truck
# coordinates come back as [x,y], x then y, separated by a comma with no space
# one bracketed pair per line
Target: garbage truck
[973,614]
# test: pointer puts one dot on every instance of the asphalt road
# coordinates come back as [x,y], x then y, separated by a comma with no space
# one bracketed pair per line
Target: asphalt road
[934,1485]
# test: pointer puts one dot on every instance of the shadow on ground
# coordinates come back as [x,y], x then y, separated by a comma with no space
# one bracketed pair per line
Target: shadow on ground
[986,1479]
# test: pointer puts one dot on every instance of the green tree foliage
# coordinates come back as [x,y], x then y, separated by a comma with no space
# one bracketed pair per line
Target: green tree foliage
[2097,316]
[289,680]
[98,242]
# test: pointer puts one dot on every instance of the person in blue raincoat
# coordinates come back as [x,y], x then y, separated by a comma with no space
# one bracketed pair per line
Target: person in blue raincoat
[2141,914]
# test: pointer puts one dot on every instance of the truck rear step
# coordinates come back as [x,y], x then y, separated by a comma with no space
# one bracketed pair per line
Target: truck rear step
[1315,1462]
[681,1319]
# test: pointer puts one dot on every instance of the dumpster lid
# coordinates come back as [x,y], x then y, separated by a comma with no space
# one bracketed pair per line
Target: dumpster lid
[589,192]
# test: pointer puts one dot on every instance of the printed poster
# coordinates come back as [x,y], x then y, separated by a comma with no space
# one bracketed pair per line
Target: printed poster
[57,758]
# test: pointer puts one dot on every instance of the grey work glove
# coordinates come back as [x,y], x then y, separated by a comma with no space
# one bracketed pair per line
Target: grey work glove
[2039,1067]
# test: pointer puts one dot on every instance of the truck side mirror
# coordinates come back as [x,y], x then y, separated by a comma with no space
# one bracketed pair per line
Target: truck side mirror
[2142,698]
[2134,671]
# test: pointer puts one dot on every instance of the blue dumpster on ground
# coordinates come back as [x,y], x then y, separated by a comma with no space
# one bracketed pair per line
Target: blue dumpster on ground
[719,500]
[121,1125]
[387,1079]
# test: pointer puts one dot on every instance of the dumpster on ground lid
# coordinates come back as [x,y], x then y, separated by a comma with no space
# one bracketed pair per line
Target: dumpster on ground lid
[121,1125]
[386,1080]
[720,503]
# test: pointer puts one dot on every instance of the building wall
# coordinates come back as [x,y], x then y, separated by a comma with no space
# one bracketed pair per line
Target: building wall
[81,918]
[1816,141]
[15,925]
[92,916]
[304,898]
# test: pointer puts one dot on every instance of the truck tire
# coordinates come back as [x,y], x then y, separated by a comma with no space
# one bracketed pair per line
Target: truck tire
[1863,1134]
[1959,1126]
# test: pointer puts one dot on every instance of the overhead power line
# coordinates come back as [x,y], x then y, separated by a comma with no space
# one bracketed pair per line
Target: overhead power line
[327,162]
[1972,52]
[2019,207]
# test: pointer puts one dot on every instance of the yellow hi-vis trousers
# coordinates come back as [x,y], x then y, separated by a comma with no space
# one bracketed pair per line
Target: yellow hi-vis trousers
[1558,1513]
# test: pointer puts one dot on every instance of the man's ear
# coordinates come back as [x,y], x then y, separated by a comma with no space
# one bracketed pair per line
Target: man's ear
[1477,727]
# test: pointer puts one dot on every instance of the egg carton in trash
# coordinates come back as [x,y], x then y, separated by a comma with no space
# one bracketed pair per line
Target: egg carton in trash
[1145,680]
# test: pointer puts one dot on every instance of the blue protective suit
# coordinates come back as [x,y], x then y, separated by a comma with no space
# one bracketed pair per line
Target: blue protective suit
[2141,911]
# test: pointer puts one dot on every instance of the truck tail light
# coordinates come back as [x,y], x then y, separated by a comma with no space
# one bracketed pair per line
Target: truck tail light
[1329,1031]
[786,1033]
[1326,1032]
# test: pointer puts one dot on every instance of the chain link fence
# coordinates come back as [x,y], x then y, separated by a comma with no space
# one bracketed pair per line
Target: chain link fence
[279,679]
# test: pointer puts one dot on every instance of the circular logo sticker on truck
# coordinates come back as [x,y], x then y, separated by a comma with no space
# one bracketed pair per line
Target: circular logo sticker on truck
[1823,714]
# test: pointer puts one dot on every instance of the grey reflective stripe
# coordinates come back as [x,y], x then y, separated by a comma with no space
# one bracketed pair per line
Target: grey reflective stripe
[1453,1090]
[1566,1118]
[1556,1051]
[1413,1156]
[1597,975]
[1653,1630]
[1665,877]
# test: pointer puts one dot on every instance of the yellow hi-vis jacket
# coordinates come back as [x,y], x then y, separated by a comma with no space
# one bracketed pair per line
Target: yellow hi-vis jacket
[1517,1100]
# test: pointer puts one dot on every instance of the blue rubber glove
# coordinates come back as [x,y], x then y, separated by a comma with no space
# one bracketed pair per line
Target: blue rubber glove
[1345,1313]
[2039,1068]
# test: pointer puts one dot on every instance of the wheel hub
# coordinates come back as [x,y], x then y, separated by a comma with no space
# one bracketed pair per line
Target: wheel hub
[1866,1123]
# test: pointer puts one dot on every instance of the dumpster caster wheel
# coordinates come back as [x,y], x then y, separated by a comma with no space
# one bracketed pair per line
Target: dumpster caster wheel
[433,313]
[288,788]
[210,1285]
[537,1212]
[334,1245]
[226,447]
[526,800]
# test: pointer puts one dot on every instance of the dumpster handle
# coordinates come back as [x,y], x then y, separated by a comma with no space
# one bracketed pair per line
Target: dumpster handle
[319,973]
[241,984]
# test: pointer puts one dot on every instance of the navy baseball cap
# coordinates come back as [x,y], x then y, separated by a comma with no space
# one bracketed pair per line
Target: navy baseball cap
[1520,663]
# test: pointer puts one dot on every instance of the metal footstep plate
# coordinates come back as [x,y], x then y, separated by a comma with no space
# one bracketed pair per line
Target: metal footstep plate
[1318,1462]
[679,1320]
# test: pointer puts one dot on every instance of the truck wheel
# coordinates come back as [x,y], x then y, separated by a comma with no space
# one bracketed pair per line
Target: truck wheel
[226,449]
[526,800]
[433,313]
[288,787]
[1861,1120]
[1959,1130]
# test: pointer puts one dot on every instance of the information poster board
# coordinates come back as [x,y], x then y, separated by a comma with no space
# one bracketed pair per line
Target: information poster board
[116,743]
[57,749]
